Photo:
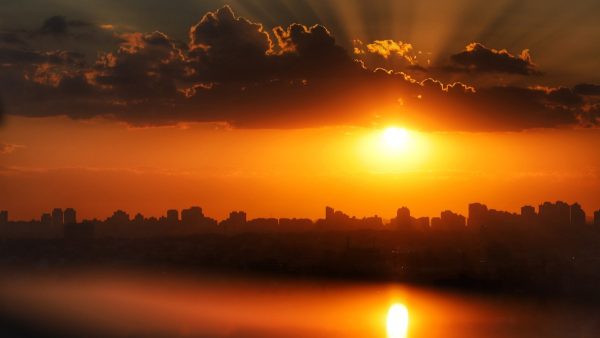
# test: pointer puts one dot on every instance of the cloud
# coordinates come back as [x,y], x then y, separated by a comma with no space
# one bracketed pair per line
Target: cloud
[59,26]
[386,48]
[234,70]
[226,47]
[587,89]
[477,58]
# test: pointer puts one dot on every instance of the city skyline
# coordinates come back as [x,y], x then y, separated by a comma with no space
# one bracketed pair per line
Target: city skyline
[547,212]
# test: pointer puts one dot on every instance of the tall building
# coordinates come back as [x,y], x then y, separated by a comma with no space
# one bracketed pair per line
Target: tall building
[329,212]
[57,216]
[557,214]
[237,217]
[192,216]
[70,216]
[3,217]
[528,215]
[597,218]
[577,215]
[528,211]
[564,213]
[403,219]
[422,223]
[547,212]
[477,215]
[436,223]
[235,223]
[452,221]
[172,217]
[46,219]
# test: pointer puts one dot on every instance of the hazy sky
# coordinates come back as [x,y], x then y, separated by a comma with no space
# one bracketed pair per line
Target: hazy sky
[279,107]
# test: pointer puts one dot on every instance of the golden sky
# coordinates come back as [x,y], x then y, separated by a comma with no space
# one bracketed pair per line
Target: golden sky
[282,108]
[98,166]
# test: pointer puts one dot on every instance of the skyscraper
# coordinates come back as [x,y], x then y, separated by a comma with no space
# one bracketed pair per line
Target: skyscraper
[172,217]
[192,216]
[577,215]
[3,217]
[528,215]
[452,221]
[237,217]
[57,216]
[46,219]
[70,216]
[403,219]
[597,218]
[329,212]
[564,213]
[557,214]
[477,214]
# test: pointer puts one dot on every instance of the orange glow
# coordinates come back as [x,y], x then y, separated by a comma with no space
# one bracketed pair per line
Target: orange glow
[394,149]
[66,163]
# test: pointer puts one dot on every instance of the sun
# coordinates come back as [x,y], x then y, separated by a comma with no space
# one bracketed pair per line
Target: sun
[397,321]
[395,140]
[393,149]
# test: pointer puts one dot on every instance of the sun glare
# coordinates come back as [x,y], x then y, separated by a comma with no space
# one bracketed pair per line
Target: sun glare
[397,321]
[395,139]
[393,149]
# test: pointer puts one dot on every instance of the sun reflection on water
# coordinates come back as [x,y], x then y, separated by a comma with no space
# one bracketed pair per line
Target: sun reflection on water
[397,321]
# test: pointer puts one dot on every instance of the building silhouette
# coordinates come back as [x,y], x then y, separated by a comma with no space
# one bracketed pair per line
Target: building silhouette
[236,222]
[237,217]
[57,216]
[577,215]
[555,214]
[172,217]
[118,217]
[452,221]
[4,217]
[403,220]
[46,219]
[329,213]
[191,216]
[70,216]
[558,216]
[528,215]
[478,214]
[422,223]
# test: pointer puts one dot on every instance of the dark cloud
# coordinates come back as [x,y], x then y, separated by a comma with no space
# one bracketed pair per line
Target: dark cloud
[60,26]
[11,38]
[146,66]
[224,47]
[236,71]
[477,58]
[587,89]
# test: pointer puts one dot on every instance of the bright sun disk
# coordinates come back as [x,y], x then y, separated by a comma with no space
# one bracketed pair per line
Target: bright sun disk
[394,138]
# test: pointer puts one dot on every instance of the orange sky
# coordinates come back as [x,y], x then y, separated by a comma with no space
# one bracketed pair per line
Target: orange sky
[97,166]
